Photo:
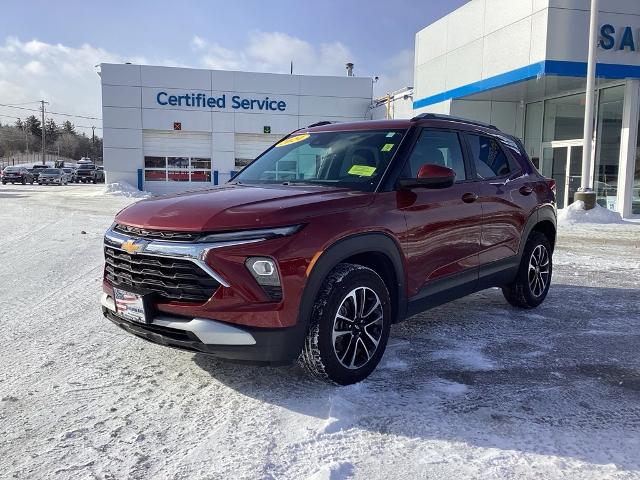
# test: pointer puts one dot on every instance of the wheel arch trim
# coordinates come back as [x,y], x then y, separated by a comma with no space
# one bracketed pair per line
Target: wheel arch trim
[378,242]
[540,215]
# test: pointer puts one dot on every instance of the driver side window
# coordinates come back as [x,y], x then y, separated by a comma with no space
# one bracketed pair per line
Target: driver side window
[439,148]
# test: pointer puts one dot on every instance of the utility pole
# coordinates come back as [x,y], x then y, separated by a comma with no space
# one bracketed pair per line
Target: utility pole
[42,102]
[586,193]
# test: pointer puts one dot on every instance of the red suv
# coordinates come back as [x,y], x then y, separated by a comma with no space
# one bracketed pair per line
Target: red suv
[329,237]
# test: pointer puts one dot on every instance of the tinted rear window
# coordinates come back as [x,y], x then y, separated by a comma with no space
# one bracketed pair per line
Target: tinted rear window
[489,157]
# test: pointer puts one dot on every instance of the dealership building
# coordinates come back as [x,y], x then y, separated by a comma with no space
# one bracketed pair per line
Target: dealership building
[521,65]
[171,129]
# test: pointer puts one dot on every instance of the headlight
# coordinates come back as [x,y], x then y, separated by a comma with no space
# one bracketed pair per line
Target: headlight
[261,234]
[265,272]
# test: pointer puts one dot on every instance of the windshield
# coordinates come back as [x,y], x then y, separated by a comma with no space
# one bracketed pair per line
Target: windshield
[12,169]
[351,159]
[52,171]
[86,167]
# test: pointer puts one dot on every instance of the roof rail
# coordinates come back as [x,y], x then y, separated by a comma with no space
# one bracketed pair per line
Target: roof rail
[319,124]
[440,116]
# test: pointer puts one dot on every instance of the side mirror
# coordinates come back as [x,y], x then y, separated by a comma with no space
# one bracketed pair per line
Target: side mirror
[430,176]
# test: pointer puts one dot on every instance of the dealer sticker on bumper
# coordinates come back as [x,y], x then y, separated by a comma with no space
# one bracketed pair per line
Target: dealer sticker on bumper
[129,306]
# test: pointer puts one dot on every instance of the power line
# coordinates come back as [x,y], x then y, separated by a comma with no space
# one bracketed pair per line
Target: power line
[23,103]
[52,113]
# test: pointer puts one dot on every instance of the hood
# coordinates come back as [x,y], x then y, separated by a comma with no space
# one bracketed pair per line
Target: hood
[232,207]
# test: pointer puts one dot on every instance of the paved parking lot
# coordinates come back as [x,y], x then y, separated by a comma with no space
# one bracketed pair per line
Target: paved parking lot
[470,389]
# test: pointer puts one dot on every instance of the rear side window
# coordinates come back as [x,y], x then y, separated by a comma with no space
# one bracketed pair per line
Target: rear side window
[439,148]
[489,158]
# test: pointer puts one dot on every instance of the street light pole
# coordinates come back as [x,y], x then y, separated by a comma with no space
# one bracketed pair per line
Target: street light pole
[586,193]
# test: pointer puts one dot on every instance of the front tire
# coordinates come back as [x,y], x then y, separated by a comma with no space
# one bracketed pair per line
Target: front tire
[349,327]
[532,282]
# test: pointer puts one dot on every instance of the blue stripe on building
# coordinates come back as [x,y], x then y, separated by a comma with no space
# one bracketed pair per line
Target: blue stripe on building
[536,70]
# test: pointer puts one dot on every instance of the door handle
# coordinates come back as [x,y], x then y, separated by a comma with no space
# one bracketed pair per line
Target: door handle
[469,197]
[526,190]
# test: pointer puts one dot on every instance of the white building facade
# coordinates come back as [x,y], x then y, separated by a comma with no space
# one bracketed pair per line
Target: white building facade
[521,65]
[171,129]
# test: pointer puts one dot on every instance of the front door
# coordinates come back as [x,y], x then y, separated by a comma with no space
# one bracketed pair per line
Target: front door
[443,225]
[562,161]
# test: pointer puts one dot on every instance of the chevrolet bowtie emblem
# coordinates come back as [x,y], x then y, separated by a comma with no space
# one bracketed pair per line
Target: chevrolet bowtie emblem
[132,247]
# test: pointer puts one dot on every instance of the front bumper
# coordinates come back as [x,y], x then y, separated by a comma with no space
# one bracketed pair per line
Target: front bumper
[270,346]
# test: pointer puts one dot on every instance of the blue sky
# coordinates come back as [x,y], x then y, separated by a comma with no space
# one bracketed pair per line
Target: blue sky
[49,48]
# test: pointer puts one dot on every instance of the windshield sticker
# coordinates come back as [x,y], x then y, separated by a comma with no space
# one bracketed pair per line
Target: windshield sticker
[362,170]
[390,134]
[294,139]
[387,147]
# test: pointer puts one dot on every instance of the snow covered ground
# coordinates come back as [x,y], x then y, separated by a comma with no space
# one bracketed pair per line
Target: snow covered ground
[473,389]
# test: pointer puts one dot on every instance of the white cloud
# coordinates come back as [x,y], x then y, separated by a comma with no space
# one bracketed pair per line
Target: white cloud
[273,52]
[64,76]
[34,67]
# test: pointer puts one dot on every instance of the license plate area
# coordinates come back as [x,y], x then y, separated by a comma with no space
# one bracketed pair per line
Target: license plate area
[131,306]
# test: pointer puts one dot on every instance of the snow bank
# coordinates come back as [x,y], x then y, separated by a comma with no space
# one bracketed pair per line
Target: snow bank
[576,214]
[124,189]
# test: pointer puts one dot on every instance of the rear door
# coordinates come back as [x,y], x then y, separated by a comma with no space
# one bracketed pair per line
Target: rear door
[507,195]
[443,225]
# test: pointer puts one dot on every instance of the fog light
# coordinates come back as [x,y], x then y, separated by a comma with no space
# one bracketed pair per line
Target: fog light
[264,268]
[265,273]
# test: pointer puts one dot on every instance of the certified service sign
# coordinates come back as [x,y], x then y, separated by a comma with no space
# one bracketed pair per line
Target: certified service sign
[224,101]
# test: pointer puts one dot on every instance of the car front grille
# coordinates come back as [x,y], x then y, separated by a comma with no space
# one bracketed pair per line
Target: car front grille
[167,278]
[157,234]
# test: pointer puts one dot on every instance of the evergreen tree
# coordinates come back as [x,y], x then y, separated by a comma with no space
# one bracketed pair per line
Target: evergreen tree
[68,127]
[34,126]
[51,131]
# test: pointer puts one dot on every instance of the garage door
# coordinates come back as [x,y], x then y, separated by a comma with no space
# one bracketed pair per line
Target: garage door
[249,146]
[176,144]
[175,161]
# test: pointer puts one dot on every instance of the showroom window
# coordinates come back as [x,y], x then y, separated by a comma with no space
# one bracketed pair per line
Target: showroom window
[635,192]
[177,169]
[607,159]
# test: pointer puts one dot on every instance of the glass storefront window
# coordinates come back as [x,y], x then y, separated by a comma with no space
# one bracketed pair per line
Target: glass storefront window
[155,162]
[564,118]
[635,189]
[177,169]
[201,176]
[607,159]
[175,163]
[201,163]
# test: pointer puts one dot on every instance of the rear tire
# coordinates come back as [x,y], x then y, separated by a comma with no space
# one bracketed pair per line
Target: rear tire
[532,282]
[349,327]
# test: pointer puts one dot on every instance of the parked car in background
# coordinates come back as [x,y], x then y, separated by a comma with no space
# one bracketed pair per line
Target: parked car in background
[71,174]
[16,174]
[54,176]
[329,237]
[36,169]
[88,173]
